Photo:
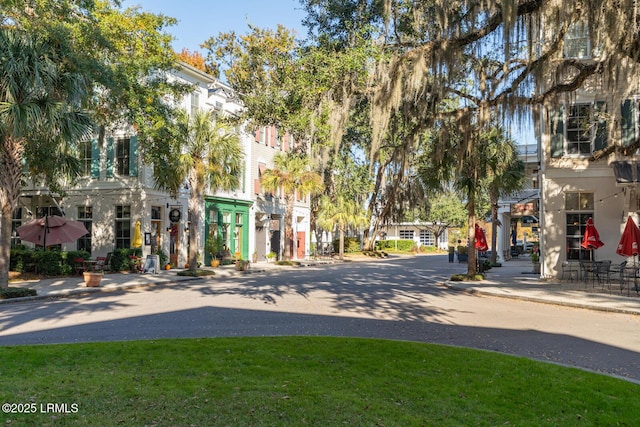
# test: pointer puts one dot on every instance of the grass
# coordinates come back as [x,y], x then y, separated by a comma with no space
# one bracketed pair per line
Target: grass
[303,381]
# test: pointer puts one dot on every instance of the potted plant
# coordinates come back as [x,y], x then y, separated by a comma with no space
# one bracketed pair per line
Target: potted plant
[535,259]
[242,265]
[213,248]
[270,256]
[92,279]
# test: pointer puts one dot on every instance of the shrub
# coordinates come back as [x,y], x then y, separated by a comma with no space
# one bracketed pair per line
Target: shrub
[7,293]
[403,245]
[351,245]
[196,273]
[120,258]
[293,263]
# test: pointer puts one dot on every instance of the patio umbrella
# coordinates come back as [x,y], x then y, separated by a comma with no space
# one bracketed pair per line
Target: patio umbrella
[591,239]
[481,239]
[52,230]
[630,239]
[136,240]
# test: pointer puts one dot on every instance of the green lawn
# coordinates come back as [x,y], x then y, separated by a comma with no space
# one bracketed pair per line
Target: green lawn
[301,381]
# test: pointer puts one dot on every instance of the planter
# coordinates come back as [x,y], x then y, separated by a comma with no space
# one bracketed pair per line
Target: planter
[242,265]
[92,280]
[536,267]
[215,263]
[463,257]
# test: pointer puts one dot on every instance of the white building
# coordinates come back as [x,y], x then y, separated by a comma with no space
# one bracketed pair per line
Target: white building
[117,190]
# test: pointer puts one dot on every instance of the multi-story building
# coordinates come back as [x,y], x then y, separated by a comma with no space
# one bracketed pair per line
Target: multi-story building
[575,183]
[117,190]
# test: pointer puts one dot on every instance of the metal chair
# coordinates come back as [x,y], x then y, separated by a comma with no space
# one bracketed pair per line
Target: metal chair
[570,268]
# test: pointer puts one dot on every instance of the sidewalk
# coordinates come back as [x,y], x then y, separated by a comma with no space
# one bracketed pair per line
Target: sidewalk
[515,280]
[512,280]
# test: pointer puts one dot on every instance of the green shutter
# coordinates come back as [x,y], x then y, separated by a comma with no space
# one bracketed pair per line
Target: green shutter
[133,156]
[557,132]
[95,159]
[602,139]
[111,156]
[628,123]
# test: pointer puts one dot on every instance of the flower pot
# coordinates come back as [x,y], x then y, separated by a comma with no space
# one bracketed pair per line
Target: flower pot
[242,265]
[92,280]
[167,267]
[536,267]
[215,263]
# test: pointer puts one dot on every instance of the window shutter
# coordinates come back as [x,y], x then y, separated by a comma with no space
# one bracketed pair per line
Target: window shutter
[133,156]
[602,137]
[557,132]
[111,155]
[257,135]
[628,123]
[95,159]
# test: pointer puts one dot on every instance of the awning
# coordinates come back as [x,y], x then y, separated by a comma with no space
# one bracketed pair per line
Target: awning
[521,196]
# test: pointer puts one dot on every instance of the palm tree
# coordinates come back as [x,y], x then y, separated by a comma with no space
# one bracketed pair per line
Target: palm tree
[342,214]
[200,149]
[505,174]
[291,172]
[40,121]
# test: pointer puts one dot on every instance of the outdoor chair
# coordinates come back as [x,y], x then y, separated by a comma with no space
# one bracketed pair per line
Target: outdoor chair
[78,265]
[603,272]
[570,269]
[107,262]
[617,273]
[100,263]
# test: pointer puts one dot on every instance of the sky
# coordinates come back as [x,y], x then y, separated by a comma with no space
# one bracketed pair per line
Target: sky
[199,20]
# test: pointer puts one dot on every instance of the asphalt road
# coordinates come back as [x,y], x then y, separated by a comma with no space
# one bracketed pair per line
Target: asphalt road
[395,299]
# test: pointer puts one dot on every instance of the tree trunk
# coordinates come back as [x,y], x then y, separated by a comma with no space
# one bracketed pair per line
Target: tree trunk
[288,227]
[11,151]
[341,242]
[196,200]
[471,266]
[5,247]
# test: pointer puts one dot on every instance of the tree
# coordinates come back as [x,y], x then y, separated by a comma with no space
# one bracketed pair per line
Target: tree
[200,150]
[444,210]
[40,100]
[292,173]
[341,214]
[505,174]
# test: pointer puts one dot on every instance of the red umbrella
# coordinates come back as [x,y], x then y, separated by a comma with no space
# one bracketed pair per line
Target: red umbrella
[591,238]
[630,239]
[52,230]
[481,239]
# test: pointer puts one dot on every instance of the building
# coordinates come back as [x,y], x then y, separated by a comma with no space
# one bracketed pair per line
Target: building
[117,190]
[580,176]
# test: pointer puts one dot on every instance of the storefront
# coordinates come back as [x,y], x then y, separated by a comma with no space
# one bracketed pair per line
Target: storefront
[228,218]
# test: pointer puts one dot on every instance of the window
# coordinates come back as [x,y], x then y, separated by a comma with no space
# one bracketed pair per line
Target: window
[85,216]
[195,102]
[578,129]
[156,228]
[406,234]
[85,158]
[576,42]
[123,227]
[122,156]
[427,238]
[579,207]
[16,221]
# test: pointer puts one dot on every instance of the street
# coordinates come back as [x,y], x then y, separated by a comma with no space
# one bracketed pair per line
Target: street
[399,298]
